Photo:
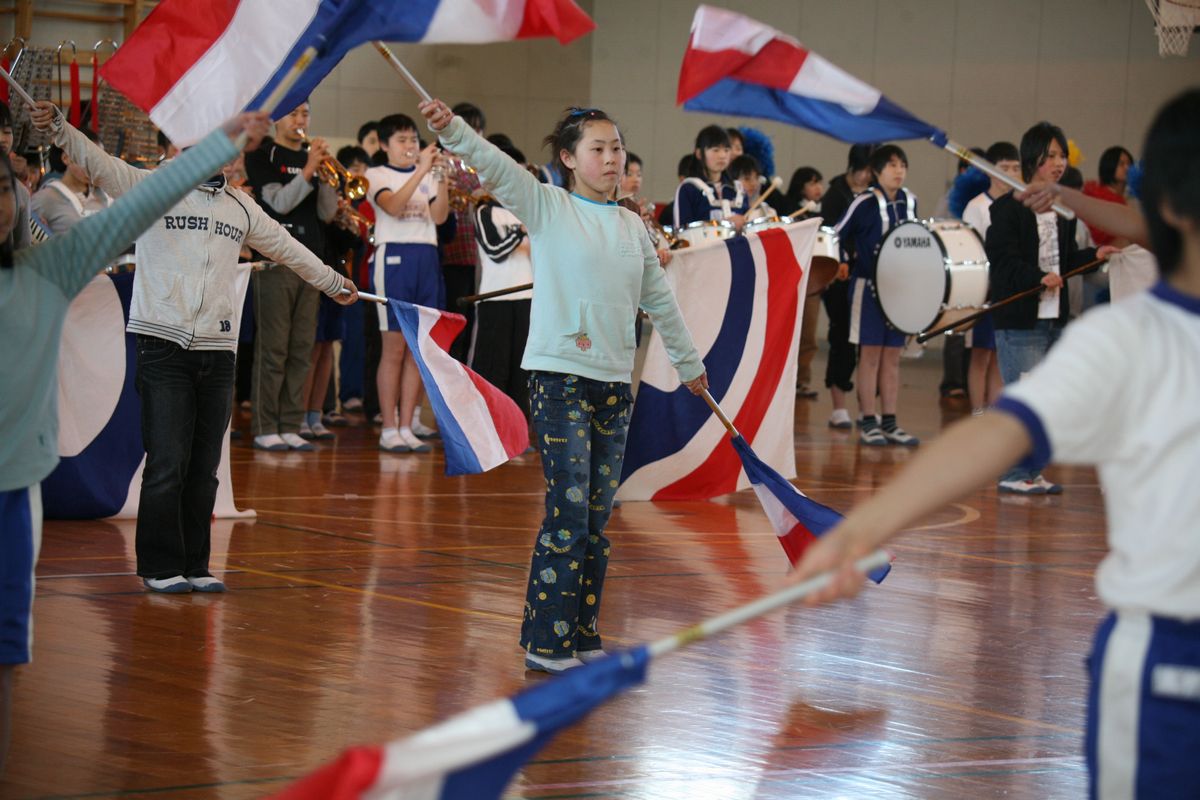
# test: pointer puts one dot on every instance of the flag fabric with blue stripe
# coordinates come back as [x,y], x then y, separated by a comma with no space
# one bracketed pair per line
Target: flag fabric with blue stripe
[736,65]
[798,520]
[481,427]
[192,65]
[474,756]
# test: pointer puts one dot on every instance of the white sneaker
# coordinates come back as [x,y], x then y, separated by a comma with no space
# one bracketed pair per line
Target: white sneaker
[294,441]
[319,431]
[414,444]
[588,656]
[1021,487]
[423,431]
[306,432]
[552,665]
[840,419]
[271,441]
[390,441]
[977,412]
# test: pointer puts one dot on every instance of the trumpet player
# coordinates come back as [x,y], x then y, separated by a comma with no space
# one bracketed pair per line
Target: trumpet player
[283,176]
[410,200]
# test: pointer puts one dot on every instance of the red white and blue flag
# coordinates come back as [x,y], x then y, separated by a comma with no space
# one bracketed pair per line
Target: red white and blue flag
[797,519]
[473,756]
[481,427]
[737,65]
[191,65]
[743,300]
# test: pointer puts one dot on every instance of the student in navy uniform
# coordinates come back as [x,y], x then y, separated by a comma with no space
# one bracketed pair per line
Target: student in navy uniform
[874,212]
[708,193]
[1121,391]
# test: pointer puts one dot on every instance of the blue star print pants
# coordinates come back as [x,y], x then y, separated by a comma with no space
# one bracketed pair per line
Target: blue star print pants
[581,426]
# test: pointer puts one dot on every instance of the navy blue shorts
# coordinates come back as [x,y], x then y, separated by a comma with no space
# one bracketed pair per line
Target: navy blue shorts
[1143,719]
[331,323]
[408,272]
[868,326]
[20,539]
[982,335]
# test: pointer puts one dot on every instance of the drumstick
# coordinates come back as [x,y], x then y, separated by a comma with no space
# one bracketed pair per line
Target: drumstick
[776,182]
[927,335]
[465,301]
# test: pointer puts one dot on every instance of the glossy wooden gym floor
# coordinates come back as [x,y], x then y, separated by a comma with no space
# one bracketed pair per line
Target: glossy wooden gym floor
[374,597]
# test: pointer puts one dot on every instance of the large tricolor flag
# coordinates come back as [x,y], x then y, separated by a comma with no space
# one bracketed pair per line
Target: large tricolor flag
[190,65]
[797,519]
[473,756]
[737,65]
[481,427]
[743,300]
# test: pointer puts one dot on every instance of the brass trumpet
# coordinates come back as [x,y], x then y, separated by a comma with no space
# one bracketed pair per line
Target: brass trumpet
[332,173]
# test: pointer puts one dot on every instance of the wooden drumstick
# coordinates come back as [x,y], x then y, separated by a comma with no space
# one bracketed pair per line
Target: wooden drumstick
[776,182]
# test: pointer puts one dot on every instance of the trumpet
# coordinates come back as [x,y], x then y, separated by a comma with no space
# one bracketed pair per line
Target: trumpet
[332,173]
[461,182]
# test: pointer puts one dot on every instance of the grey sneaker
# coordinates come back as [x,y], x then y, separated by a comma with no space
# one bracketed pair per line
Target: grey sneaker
[900,436]
[554,666]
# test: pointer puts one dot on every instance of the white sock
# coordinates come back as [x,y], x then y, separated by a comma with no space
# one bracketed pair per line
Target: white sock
[416,417]
[405,429]
[387,431]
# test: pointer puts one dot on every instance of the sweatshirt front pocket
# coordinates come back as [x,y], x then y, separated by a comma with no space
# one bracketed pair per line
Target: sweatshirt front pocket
[604,333]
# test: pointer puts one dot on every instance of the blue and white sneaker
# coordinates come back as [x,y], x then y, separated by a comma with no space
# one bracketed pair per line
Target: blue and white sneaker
[173,585]
[554,666]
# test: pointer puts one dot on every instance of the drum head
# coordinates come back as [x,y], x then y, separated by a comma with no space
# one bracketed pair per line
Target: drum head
[910,276]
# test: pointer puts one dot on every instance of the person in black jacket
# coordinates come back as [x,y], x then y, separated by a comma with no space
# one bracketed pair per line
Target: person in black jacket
[1026,249]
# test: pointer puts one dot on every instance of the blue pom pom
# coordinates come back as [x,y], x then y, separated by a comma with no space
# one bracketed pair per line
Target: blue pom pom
[966,186]
[758,144]
[1133,180]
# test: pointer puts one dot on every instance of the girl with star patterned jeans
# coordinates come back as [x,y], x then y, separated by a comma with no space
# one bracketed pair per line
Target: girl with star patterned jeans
[581,426]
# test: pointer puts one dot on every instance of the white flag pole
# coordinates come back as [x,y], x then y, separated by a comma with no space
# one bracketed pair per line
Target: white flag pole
[737,616]
[985,165]
[398,65]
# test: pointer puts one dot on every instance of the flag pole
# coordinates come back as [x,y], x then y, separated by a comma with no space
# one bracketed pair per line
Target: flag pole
[716,409]
[398,65]
[374,298]
[20,90]
[763,605]
[289,80]
[987,167]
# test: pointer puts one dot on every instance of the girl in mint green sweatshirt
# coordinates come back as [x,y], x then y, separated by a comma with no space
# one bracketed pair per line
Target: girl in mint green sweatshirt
[593,267]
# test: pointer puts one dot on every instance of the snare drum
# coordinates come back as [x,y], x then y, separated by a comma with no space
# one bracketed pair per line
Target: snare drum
[930,273]
[827,247]
[766,223]
[706,230]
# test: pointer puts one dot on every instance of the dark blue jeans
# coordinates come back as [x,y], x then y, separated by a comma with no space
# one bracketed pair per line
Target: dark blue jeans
[581,426]
[187,397]
[1018,351]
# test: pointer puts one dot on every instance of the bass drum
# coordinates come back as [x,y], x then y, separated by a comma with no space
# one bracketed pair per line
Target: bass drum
[706,231]
[930,273]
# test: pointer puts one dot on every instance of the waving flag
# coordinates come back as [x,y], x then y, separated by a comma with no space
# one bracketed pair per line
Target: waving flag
[481,426]
[473,756]
[743,302]
[737,65]
[797,519]
[191,65]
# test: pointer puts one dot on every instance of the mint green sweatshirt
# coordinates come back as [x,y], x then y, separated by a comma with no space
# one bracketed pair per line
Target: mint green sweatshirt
[593,266]
[35,293]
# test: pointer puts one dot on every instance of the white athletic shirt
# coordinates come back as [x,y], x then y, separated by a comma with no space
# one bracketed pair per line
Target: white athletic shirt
[515,269]
[978,214]
[415,223]
[1121,390]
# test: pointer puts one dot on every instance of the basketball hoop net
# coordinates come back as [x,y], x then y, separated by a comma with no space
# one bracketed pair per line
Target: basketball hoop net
[1174,21]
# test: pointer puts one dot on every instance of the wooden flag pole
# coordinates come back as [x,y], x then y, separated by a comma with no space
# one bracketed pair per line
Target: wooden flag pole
[398,65]
[763,605]
[716,409]
[467,300]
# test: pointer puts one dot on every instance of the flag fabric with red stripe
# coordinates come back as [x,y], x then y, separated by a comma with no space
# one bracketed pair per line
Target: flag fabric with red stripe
[481,427]
[797,519]
[743,301]
[473,756]
[192,65]
[737,65]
